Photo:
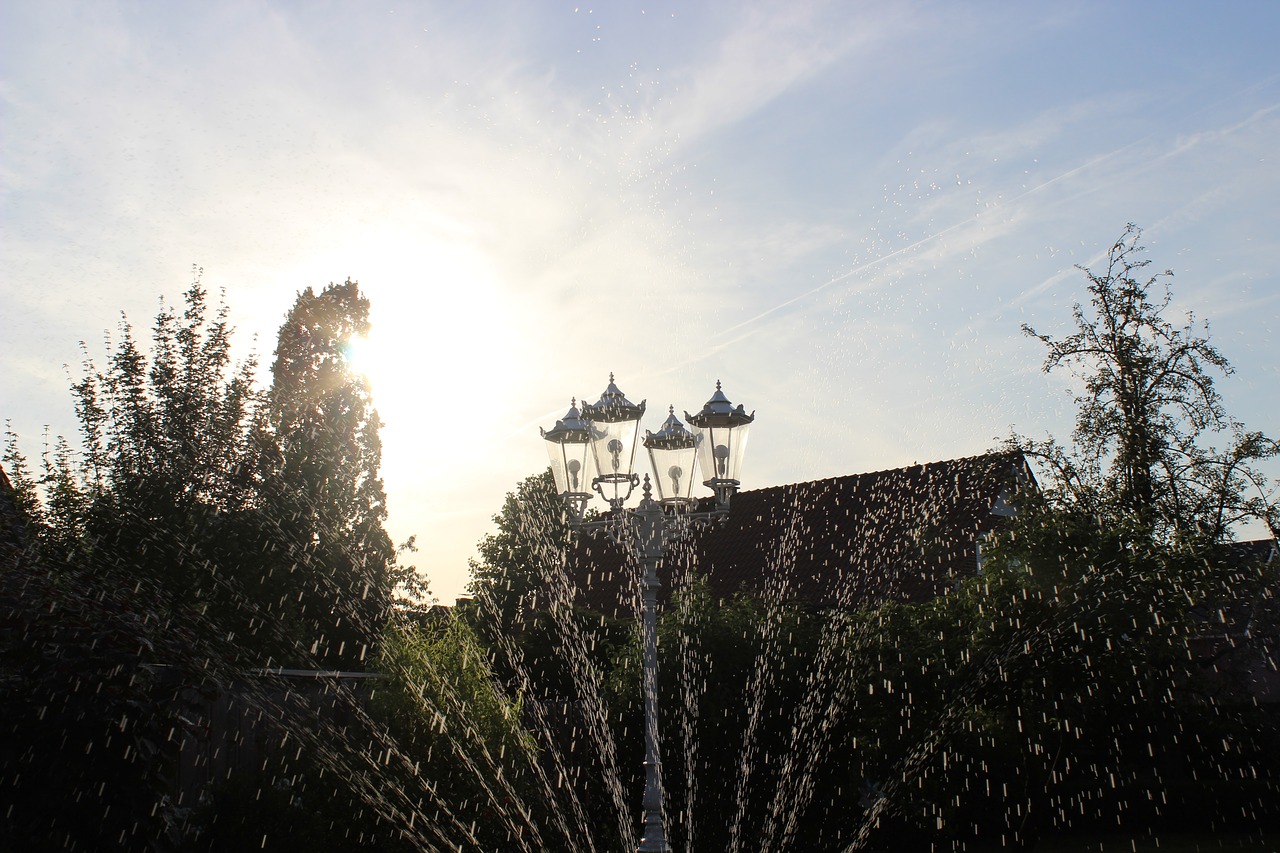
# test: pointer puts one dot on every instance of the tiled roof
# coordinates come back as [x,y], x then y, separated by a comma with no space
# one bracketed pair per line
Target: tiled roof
[1259,550]
[902,534]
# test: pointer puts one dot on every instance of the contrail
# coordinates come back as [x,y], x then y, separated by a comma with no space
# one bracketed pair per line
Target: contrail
[1090,164]
[917,244]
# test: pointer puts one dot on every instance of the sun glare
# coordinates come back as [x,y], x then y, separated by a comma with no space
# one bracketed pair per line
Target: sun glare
[442,332]
[361,355]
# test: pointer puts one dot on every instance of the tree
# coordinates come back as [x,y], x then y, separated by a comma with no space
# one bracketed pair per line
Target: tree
[516,561]
[202,528]
[1069,686]
[163,470]
[114,603]
[1148,405]
[320,479]
[459,744]
[1087,627]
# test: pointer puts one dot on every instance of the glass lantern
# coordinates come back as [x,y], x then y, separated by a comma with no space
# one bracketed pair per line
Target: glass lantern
[572,462]
[615,426]
[722,440]
[673,454]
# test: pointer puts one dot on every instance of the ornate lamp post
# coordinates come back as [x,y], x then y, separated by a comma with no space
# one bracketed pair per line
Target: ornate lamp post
[598,444]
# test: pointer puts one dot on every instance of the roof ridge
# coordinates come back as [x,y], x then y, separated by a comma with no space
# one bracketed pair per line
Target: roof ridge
[990,455]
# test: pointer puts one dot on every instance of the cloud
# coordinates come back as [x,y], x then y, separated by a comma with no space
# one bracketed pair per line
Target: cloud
[771,51]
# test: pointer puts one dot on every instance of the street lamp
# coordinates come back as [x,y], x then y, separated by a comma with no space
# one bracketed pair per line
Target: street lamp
[614,422]
[722,433]
[598,443]
[673,455]
[572,463]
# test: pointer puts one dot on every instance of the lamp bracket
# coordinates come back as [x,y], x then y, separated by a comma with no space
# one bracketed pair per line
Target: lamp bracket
[616,503]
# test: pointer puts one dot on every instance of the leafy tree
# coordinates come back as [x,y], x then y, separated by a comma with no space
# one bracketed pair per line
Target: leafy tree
[1081,644]
[747,683]
[561,657]
[111,604]
[523,608]
[464,761]
[162,474]
[1069,687]
[191,536]
[1131,532]
[532,532]
[1149,404]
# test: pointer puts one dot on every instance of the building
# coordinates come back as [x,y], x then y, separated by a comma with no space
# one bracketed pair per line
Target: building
[905,534]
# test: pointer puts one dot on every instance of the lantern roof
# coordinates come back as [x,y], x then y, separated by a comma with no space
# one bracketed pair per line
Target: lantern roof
[613,406]
[719,412]
[571,428]
[673,435]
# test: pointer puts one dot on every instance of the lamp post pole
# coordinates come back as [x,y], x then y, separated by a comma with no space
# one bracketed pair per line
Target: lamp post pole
[651,523]
[597,445]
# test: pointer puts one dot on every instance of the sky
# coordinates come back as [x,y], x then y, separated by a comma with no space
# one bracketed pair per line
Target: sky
[844,211]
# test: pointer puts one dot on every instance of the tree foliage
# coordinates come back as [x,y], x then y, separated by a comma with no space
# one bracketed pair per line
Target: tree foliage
[1097,674]
[518,580]
[452,726]
[532,532]
[1094,635]
[201,528]
[319,477]
[1149,404]
[114,602]
[321,415]
[261,511]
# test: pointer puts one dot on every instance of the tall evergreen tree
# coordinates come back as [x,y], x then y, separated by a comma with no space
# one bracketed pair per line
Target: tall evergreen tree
[320,480]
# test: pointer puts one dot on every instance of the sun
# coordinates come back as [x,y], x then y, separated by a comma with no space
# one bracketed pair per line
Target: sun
[361,356]
[442,333]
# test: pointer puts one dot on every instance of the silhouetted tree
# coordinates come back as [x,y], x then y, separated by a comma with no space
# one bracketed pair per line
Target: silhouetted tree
[1079,682]
[203,527]
[320,480]
[1082,686]
[113,603]
[515,562]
